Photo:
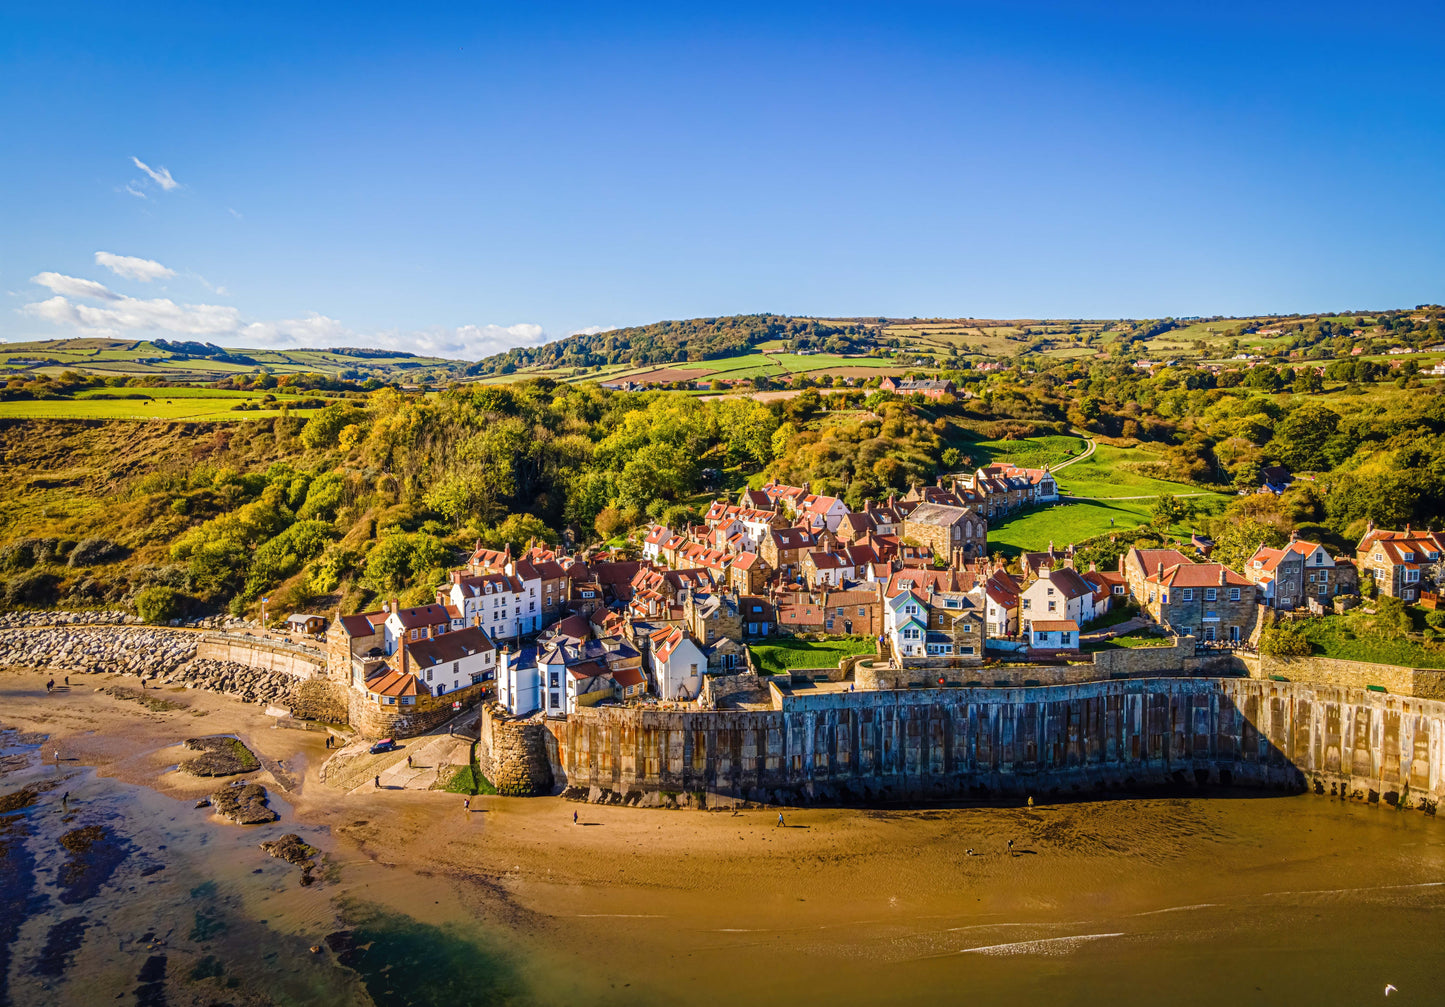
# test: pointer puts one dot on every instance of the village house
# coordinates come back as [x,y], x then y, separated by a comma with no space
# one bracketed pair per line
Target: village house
[1056,595]
[954,532]
[1208,601]
[873,519]
[854,612]
[1292,577]
[1401,562]
[452,661]
[784,548]
[821,513]
[827,569]
[758,615]
[712,616]
[1137,565]
[677,664]
[929,388]
[408,625]
[1054,635]
[749,573]
[1001,607]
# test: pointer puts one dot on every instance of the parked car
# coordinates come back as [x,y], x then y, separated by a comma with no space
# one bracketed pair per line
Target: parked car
[384,745]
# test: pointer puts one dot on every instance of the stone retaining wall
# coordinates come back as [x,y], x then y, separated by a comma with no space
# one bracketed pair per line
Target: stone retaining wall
[1423,682]
[372,720]
[300,662]
[865,747]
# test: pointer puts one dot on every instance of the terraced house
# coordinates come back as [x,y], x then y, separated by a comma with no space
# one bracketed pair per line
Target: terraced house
[1208,601]
[1400,561]
[1294,576]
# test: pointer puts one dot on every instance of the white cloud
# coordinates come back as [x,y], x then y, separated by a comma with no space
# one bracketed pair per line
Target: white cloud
[235,213]
[135,190]
[74,286]
[133,268]
[160,176]
[591,330]
[121,315]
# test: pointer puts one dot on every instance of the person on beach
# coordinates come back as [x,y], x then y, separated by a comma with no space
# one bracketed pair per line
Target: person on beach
[408,762]
[574,818]
[64,800]
[49,686]
[467,805]
[67,681]
[780,818]
[376,783]
[1010,847]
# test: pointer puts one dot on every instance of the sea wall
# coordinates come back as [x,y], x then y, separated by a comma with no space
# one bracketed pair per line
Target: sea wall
[514,754]
[921,744]
[373,720]
[1426,683]
[290,659]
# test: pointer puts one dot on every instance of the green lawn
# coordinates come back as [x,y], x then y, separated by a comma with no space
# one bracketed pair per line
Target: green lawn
[784,653]
[1033,530]
[1107,473]
[1029,452]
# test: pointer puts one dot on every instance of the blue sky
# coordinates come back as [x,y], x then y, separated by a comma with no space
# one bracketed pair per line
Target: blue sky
[459,178]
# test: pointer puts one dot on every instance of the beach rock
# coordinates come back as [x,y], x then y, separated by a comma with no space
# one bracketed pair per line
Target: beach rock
[244,804]
[292,849]
[221,755]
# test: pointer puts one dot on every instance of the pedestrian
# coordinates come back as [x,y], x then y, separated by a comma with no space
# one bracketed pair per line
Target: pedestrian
[780,818]
[1010,847]
[376,785]
[467,805]
[65,799]
[67,681]
[574,818]
[56,753]
[49,686]
[1031,800]
[408,762]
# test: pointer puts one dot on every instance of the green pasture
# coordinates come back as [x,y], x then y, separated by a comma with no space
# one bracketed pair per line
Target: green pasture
[1065,524]
[1109,473]
[1029,452]
[165,404]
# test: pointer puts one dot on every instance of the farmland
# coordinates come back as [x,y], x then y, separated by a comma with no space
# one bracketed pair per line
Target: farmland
[180,403]
[144,358]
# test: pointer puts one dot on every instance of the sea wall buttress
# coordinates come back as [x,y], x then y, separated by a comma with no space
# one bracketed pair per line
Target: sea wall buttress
[921,744]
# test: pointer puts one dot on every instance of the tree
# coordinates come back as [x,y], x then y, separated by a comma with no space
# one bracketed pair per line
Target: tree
[159,604]
[1301,437]
[1167,510]
[1284,641]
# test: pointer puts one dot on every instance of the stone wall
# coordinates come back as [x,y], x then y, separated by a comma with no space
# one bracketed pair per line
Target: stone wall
[862,747]
[1423,682]
[373,720]
[321,699]
[513,753]
[300,662]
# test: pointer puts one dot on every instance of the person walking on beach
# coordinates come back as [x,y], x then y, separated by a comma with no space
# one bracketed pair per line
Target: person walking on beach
[376,782]
[408,762]
[1010,847]
[467,805]
[64,800]
[49,686]
[574,818]
[67,681]
[780,818]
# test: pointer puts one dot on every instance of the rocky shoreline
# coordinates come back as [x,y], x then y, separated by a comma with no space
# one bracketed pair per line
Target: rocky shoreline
[156,655]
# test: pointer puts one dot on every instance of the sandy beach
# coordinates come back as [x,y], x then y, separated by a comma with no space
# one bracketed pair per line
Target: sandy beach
[647,904]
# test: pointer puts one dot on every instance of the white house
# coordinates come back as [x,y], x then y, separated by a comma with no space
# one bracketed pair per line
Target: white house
[408,625]
[1001,606]
[519,681]
[817,512]
[678,664]
[1057,595]
[1054,634]
[451,661]
[504,603]
[905,616]
[652,544]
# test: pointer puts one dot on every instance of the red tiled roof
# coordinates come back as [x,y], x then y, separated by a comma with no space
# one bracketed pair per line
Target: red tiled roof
[423,615]
[393,683]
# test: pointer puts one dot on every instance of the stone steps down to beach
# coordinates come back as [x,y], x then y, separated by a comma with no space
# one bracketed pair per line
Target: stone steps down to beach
[243,803]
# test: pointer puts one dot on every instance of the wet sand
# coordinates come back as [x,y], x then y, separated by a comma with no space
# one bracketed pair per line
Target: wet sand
[1270,899]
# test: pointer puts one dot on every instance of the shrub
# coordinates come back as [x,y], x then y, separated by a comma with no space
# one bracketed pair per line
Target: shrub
[1435,619]
[1282,641]
[31,589]
[159,604]
[94,551]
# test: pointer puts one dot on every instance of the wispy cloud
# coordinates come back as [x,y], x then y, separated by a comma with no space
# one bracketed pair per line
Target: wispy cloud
[160,176]
[591,330]
[135,190]
[235,213]
[133,268]
[118,314]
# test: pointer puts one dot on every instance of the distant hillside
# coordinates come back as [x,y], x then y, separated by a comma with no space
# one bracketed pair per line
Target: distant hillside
[203,362]
[691,340]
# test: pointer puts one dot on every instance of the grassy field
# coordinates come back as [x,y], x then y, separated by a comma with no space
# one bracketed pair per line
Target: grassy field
[786,653]
[1030,452]
[141,358]
[1063,525]
[164,404]
[1109,473]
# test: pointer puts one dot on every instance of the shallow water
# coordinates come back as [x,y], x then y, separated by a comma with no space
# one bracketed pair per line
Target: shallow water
[1295,900]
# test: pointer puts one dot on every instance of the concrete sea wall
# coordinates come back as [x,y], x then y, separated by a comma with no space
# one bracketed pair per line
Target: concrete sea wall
[921,744]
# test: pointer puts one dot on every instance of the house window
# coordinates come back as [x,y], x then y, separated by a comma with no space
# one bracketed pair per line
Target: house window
[1234,594]
[554,703]
[862,610]
[1053,606]
[1324,589]
[389,700]
[428,674]
[1188,594]
[1210,594]
[1027,606]
[476,677]
[692,669]
[456,667]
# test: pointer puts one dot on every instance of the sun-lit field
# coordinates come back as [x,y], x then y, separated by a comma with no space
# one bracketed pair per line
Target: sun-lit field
[154,404]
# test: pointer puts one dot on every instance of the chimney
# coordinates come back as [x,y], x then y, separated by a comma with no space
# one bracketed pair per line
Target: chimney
[1293,536]
[1093,567]
[404,662]
[1221,575]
